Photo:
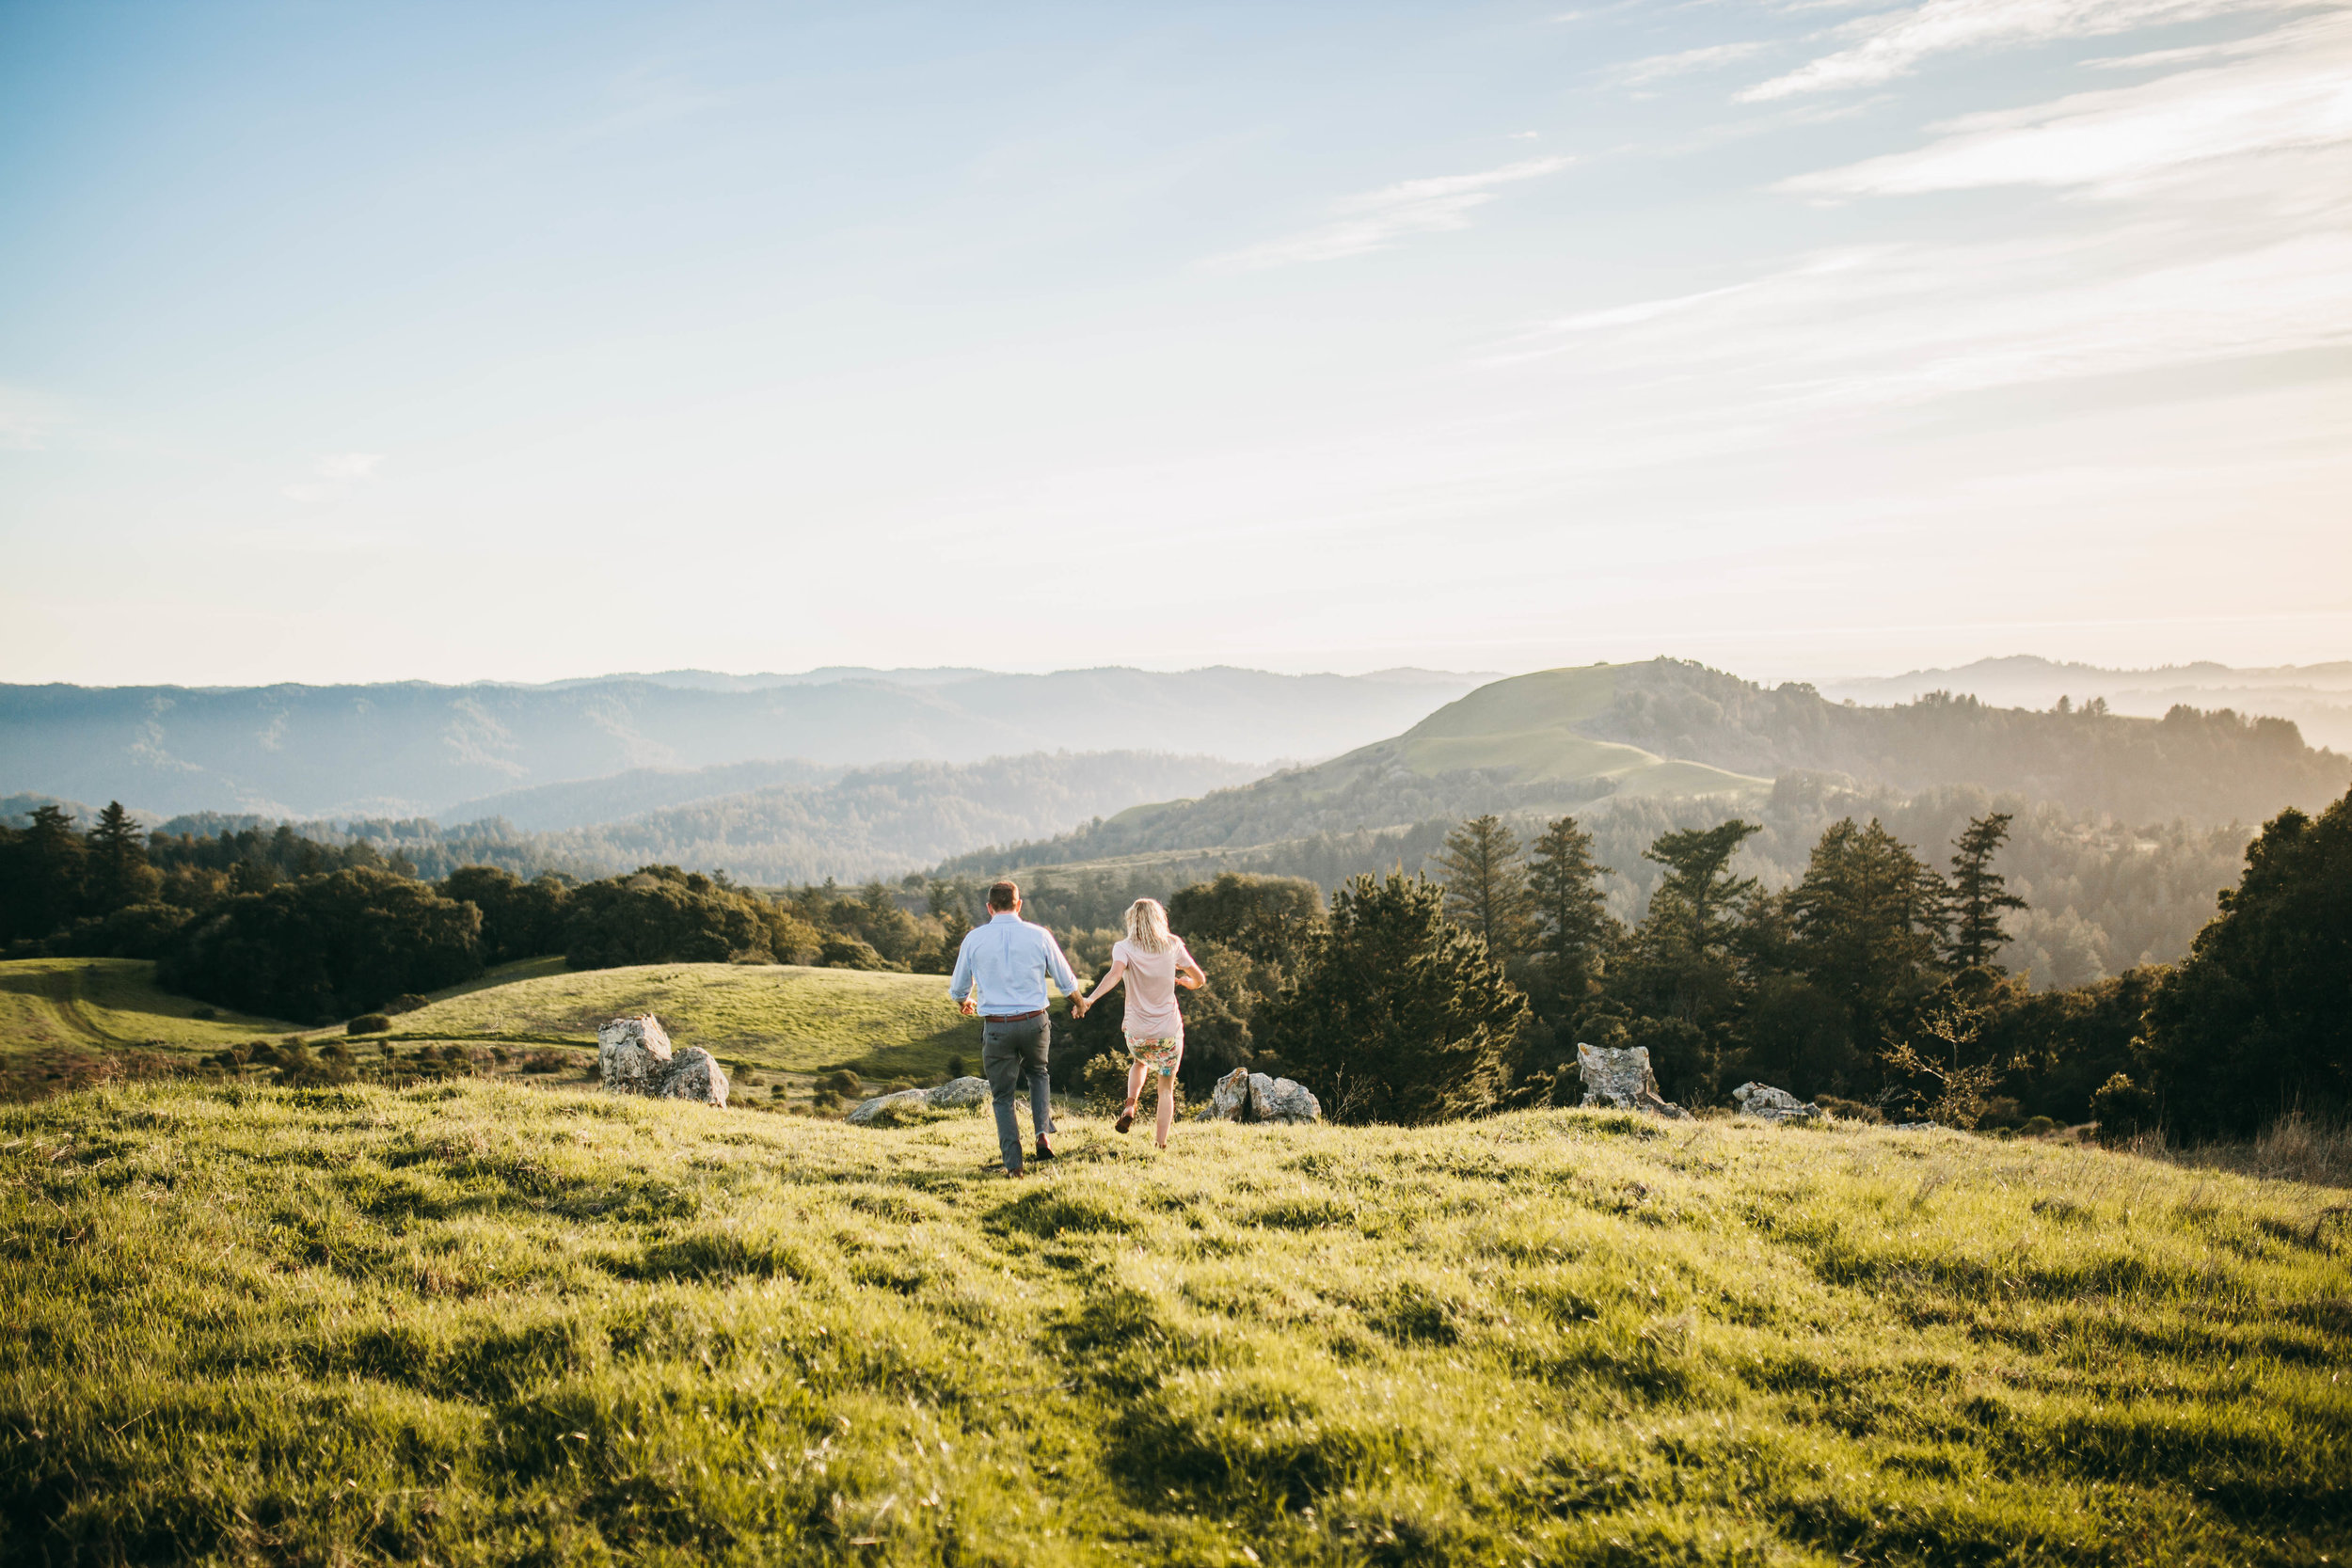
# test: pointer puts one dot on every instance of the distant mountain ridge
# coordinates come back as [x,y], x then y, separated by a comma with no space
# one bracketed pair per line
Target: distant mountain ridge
[1561,738]
[2318,697]
[412,748]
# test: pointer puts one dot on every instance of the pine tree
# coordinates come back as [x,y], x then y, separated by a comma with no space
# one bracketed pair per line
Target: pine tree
[1486,885]
[54,866]
[1866,919]
[1979,895]
[119,875]
[1401,1015]
[1700,894]
[1573,922]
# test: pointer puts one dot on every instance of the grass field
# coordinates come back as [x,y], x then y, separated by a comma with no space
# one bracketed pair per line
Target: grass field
[467,1323]
[769,1017]
[774,1017]
[100,1004]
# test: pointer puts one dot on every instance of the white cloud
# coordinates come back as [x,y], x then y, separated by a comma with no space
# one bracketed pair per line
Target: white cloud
[1635,74]
[2288,90]
[1377,219]
[348,465]
[1892,43]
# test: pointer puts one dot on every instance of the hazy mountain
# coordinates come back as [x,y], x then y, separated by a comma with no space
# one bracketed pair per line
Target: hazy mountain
[2318,697]
[585,802]
[410,748]
[1667,729]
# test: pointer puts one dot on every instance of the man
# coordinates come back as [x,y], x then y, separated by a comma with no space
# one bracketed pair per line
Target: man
[1009,960]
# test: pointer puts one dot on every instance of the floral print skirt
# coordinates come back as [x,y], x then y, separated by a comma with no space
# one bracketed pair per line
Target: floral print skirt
[1158,1055]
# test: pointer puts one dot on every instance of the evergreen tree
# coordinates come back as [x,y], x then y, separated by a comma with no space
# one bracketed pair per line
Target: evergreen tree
[1866,921]
[119,875]
[2257,1019]
[1979,895]
[1573,922]
[1700,896]
[1270,919]
[1401,1016]
[1486,885]
[53,864]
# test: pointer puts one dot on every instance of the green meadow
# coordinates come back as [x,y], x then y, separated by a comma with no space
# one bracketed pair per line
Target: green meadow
[767,1017]
[471,1322]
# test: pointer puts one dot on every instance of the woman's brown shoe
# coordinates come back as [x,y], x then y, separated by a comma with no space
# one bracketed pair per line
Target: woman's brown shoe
[1127,1117]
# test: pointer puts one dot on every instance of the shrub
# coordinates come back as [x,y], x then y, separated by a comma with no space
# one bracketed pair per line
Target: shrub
[841,1080]
[1849,1110]
[408,1002]
[368,1024]
[207,1014]
[839,951]
[546,1061]
[2122,1110]
[956,1068]
[2036,1127]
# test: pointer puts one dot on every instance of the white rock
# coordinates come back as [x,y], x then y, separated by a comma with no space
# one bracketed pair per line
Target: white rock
[1231,1097]
[693,1074]
[1772,1104]
[632,1054]
[958,1094]
[1620,1079]
[888,1108]
[1282,1100]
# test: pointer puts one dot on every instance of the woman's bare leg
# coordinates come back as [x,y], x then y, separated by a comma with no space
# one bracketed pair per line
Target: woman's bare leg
[1134,1086]
[1167,1107]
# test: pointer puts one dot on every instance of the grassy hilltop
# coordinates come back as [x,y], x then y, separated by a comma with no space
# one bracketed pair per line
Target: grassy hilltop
[776,1017]
[472,1324]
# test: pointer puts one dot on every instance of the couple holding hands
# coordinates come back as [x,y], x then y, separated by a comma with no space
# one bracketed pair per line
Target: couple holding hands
[1001,973]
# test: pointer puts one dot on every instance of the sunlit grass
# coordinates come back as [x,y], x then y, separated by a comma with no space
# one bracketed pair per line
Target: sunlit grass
[478,1324]
[776,1017]
[101,1004]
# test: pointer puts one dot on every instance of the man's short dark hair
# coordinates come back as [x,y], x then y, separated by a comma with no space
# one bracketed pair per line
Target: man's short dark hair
[1001,894]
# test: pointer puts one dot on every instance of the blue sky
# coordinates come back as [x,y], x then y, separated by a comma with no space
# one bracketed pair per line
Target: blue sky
[521,341]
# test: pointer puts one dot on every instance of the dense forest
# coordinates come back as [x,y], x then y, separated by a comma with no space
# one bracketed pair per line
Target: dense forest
[2106,896]
[1875,977]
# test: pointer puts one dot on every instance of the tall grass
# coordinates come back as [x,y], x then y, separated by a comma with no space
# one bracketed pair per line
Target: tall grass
[474,1323]
[2295,1147]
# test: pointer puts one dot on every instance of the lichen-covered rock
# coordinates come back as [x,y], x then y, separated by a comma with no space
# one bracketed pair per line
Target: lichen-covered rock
[693,1074]
[1230,1098]
[632,1054]
[889,1109]
[1241,1095]
[1280,1099]
[1620,1079]
[958,1094]
[1772,1104]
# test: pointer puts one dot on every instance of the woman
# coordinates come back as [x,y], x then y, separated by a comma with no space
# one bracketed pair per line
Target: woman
[1153,962]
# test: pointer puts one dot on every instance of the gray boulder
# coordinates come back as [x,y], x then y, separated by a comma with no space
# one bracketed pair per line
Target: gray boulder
[632,1054]
[959,1094]
[693,1074]
[1280,1099]
[1620,1079]
[1241,1095]
[889,1109]
[1772,1104]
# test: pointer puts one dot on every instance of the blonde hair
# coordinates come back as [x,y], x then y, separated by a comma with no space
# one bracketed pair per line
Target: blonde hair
[1147,926]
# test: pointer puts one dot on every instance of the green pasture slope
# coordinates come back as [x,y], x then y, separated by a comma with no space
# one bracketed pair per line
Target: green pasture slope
[776,1017]
[470,1324]
[98,1004]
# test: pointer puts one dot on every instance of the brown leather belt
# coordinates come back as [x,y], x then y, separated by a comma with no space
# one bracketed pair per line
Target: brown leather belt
[1013,1018]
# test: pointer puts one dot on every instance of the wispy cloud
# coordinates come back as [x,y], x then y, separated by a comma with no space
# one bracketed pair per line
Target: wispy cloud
[1375,220]
[340,470]
[1880,48]
[1655,68]
[2289,89]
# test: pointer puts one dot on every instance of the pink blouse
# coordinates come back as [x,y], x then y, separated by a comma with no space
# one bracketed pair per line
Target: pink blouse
[1152,990]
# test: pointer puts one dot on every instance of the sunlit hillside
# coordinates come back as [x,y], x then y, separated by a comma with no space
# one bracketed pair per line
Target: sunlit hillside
[467,1322]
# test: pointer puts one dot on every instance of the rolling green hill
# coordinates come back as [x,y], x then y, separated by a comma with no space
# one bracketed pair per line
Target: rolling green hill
[778,1017]
[1671,730]
[472,1324]
[104,1004]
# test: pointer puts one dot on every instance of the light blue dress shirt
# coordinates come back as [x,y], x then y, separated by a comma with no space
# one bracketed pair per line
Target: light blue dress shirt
[1009,959]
